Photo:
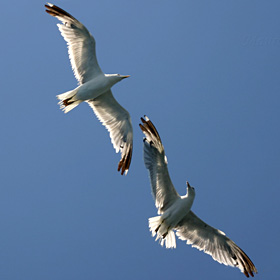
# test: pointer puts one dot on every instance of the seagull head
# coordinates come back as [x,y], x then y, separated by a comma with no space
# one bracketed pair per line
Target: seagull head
[190,190]
[116,77]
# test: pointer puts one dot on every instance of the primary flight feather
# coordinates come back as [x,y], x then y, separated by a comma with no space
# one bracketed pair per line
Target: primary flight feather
[94,86]
[176,211]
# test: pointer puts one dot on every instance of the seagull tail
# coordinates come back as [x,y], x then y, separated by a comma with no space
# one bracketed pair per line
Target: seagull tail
[162,233]
[67,101]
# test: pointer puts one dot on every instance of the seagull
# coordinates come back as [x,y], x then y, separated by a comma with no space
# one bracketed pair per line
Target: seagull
[175,211]
[94,87]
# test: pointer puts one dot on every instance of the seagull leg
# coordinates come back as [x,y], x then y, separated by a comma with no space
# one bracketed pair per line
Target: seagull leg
[67,102]
[164,235]
[156,230]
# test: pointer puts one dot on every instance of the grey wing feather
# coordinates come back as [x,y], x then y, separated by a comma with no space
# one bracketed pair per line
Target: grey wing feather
[117,121]
[214,242]
[81,44]
[155,161]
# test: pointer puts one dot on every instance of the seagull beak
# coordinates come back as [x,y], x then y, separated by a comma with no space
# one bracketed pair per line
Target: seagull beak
[127,76]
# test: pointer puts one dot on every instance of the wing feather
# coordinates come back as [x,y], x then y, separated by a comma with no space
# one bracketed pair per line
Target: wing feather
[155,160]
[117,121]
[81,44]
[214,242]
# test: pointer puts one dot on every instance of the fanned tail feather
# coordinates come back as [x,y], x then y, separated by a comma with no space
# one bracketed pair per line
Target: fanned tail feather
[158,228]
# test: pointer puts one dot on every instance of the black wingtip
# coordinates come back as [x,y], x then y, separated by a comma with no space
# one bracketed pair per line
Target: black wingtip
[248,268]
[55,11]
[149,127]
[125,161]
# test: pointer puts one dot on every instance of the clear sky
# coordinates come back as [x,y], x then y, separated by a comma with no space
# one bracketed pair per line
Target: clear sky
[207,75]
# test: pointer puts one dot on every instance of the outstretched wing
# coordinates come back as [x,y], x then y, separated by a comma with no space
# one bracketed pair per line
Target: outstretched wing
[155,160]
[81,44]
[117,121]
[214,242]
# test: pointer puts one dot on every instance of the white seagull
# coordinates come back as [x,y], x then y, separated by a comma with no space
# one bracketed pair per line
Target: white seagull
[94,86]
[176,211]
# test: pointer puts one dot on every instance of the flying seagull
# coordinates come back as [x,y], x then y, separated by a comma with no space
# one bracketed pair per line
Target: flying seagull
[175,211]
[94,86]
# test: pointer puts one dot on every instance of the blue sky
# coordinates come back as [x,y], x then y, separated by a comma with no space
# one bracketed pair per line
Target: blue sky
[207,75]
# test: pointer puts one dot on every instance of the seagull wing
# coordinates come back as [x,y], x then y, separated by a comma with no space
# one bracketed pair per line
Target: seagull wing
[81,45]
[155,160]
[213,242]
[117,121]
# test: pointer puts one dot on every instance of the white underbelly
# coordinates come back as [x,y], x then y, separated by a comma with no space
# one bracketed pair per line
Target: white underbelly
[176,212]
[93,88]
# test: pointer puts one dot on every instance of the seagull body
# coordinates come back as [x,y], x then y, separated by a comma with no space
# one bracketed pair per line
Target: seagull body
[94,86]
[162,225]
[176,214]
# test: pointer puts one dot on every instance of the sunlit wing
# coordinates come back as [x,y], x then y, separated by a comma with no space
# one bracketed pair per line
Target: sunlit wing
[214,242]
[81,44]
[117,121]
[155,160]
